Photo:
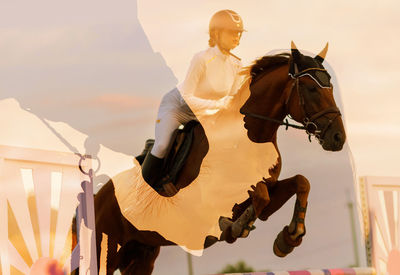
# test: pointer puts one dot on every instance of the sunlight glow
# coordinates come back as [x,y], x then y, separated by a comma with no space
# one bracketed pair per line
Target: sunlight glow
[380,240]
[382,266]
[4,259]
[27,180]
[56,179]
[396,216]
[16,260]
[385,217]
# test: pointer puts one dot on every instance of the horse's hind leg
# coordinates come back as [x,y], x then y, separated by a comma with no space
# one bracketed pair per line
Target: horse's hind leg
[137,258]
[291,235]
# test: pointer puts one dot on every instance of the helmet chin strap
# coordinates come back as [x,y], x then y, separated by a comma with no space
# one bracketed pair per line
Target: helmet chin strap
[227,52]
[238,58]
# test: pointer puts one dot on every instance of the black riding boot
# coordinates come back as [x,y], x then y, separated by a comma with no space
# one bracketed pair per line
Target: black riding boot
[151,170]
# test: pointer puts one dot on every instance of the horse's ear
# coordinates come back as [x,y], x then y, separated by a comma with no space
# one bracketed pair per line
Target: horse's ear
[295,52]
[295,59]
[321,56]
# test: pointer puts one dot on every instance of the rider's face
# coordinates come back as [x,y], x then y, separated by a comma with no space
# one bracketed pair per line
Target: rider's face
[229,39]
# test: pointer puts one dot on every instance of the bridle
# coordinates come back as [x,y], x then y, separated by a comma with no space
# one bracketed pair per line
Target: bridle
[309,121]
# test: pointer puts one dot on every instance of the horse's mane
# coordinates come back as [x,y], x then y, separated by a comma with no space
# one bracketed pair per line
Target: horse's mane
[267,63]
[259,66]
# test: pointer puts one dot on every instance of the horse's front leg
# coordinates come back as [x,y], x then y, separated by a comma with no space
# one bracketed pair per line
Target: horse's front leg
[291,235]
[245,214]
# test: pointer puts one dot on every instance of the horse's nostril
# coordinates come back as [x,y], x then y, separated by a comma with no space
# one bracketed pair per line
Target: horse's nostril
[338,137]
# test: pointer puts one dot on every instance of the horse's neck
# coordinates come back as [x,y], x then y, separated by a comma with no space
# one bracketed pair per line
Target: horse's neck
[273,84]
[241,96]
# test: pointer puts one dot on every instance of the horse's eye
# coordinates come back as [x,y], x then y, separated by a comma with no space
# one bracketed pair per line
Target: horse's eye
[312,89]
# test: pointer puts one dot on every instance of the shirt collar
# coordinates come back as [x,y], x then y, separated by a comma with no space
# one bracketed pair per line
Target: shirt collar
[218,52]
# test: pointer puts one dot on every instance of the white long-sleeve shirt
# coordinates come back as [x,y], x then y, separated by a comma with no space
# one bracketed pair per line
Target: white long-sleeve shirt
[212,75]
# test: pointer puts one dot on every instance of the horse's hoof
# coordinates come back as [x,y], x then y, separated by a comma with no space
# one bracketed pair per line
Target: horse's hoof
[281,249]
[284,244]
[226,235]
[224,223]
[209,241]
[246,231]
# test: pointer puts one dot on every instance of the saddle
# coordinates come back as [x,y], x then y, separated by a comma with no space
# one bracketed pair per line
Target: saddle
[177,153]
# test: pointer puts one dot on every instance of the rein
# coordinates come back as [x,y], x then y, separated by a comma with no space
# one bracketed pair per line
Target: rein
[309,125]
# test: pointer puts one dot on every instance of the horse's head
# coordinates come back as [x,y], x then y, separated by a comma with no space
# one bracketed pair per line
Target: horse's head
[301,88]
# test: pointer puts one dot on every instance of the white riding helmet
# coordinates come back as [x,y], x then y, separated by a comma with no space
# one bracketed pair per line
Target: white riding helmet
[226,19]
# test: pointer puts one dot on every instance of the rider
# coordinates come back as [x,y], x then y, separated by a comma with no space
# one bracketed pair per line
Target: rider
[210,83]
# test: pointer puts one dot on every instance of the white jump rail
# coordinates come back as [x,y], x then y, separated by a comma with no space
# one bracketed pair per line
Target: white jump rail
[336,271]
[33,173]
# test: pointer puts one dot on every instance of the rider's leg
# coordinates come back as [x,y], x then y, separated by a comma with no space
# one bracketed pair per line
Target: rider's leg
[152,164]
[167,122]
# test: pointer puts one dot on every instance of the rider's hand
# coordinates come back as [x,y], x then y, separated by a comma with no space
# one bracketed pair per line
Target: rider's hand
[223,103]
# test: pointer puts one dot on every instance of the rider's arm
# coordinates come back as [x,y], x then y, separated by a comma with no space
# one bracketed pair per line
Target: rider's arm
[190,84]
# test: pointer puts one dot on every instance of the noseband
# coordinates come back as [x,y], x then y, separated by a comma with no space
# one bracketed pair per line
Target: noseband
[309,121]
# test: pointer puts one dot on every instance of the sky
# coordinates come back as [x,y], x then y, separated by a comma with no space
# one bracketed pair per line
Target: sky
[362,52]
[80,63]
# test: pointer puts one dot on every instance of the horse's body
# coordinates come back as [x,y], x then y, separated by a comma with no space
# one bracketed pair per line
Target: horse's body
[273,95]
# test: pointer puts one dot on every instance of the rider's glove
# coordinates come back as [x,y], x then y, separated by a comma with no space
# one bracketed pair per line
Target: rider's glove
[223,103]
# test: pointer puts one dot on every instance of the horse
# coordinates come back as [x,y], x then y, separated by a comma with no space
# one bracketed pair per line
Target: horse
[286,84]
